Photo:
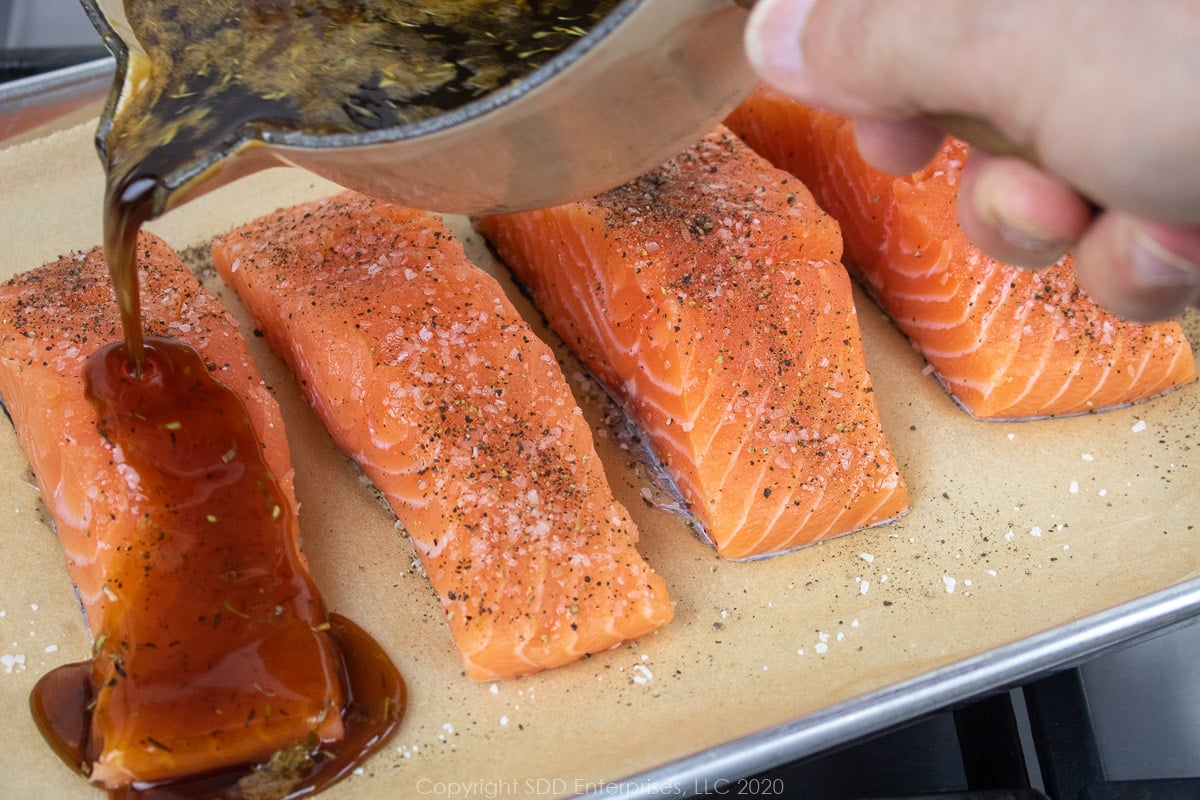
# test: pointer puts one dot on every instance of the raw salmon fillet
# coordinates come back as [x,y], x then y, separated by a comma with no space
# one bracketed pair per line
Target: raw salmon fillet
[424,372]
[143,587]
[708,297]
[1007,343]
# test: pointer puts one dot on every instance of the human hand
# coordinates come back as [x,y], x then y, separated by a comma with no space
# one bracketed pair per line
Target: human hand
[1100,95]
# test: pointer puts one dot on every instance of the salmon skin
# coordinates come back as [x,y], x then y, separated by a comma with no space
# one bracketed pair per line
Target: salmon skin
[203,659]
[708,297]
[424,372]
[1005,342]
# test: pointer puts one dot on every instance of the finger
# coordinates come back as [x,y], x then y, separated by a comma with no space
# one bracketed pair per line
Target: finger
[1017,213]
[1139,270]
[896,146]
[1040,76]
[887,58]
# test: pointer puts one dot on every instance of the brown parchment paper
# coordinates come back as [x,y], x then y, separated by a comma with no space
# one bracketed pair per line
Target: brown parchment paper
[1015,528]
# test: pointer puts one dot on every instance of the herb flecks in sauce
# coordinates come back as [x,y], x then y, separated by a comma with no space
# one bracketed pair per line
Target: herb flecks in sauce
[219,643]
[335,66]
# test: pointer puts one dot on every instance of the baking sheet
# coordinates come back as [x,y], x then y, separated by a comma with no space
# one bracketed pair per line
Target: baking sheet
[1027,544]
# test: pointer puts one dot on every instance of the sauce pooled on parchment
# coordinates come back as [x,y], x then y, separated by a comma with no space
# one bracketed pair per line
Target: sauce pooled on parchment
[217,639]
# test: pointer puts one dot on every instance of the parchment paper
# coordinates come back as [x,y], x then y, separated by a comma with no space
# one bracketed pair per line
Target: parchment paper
[1015,528]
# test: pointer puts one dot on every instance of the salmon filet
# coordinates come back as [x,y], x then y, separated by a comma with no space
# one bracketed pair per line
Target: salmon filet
[425,374]
[1007,343]
[203,659]
[708,297]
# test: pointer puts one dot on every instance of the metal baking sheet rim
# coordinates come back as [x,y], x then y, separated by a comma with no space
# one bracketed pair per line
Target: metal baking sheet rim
[28,104]
[67,90]
[999,669]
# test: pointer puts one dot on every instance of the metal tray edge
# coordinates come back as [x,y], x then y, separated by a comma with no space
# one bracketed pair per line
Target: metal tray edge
[996,670]
[41,101]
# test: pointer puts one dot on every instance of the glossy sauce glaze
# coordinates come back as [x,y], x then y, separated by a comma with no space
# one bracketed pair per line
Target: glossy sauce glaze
[211,609]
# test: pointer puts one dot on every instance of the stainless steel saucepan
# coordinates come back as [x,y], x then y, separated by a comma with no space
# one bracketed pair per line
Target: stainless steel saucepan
[648,80]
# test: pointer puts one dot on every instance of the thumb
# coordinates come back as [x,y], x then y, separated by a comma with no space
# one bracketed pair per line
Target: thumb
[1104,100]
[907,71]
[890,58]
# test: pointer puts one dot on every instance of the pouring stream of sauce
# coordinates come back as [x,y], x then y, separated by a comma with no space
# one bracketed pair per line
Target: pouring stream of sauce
[209,77]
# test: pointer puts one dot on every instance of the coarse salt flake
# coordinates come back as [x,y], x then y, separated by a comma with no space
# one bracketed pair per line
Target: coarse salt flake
[1139,426]
[643,673]
[950,583]
[867,557]
[1035,531]
[1088,457]
[1074,487]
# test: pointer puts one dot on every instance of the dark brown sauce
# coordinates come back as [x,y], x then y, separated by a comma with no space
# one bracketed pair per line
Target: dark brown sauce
[333,66]
[62,700]
[127,205]
[213,632]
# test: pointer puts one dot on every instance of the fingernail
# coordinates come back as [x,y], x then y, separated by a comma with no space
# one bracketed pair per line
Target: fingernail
[773,35]
[1155,266]
[1030,238]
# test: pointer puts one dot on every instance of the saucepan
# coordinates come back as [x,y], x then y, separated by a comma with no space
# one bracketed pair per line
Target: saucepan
[649,79]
